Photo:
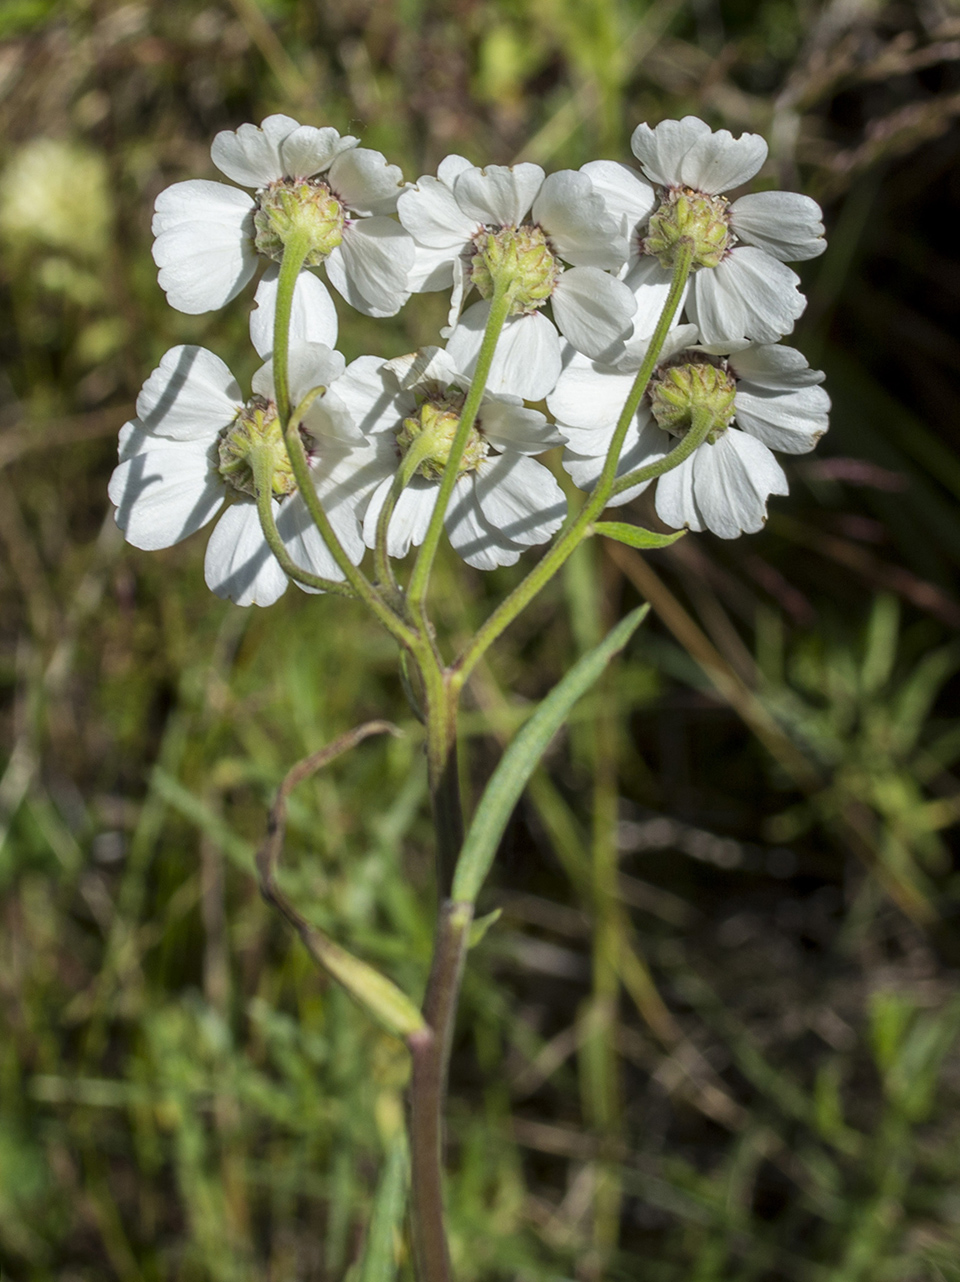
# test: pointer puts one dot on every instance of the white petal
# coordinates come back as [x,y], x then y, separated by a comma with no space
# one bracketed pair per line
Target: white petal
[644,443]
[191,395]
[784,223]
[527,359]
[238,564]
[164,490]
[308,151]
[509,425]
[365,182]
[520,498]
[309,366]
[626,194]
[432,269]
[718,162]
[592,309]
[472,535]
[588,395]
[200,201]
[345,479]
[499,195]
[750,295]
[204,244]
[313,317]
[305,543]
[650,284]
[791,422]
[370,267]
[661,150]
[675,500]
[451,167]
[251,156]
[733,480]
[372,397]
[575,217]
[772,365]
[427,365]
[433,218]
[411,516]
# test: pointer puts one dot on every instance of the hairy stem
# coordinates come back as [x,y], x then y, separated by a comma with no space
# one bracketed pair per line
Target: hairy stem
[263,482]
[420,578]
[294,252]
[577,528]
[431,1057]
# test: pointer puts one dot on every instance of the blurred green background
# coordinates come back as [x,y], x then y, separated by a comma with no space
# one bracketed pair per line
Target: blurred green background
[714,1035]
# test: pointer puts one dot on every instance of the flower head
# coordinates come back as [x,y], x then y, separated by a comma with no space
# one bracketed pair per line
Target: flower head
[762,397]
[503,500]
[472,230]
[739,288]
[194,448]
[209,237]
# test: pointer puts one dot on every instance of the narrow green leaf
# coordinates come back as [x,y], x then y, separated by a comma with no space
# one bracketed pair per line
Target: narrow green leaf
[635,536]
[521,758]
[480,927]
[389,1205]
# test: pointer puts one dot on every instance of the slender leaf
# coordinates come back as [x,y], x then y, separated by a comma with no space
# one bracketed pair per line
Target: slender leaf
[521,759]
[635,536]
[380,1254]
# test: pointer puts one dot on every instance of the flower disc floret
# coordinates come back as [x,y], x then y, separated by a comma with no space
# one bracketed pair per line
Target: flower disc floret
[689,217]
[434,426]
[296,206]
[522,257]
[694,383]
[255,429]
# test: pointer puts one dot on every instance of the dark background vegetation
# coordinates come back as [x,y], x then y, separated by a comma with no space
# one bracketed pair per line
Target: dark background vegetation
[713,1036]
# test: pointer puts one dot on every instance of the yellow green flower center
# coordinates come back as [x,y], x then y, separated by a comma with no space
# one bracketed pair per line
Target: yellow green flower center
[688,217]
[431,431]
[520,255]
[295,205]
[256,428]
[693,383]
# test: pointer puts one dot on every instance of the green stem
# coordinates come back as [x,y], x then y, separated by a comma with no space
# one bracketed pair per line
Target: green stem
[419,449]
[419,580]
[262,468]
[430,1053]
[702,423]
[576,529]
[294,254]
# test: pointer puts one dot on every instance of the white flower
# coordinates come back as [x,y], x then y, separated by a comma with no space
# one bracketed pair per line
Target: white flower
[740,288]
[184,456]
[503,500]
[467,220]
[209,236]
[766,398]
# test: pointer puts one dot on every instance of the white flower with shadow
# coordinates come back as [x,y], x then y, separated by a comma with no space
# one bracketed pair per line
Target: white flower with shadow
[469,225]
[210,237]
[739,288]
[762,398]
[187,456]
[503,501]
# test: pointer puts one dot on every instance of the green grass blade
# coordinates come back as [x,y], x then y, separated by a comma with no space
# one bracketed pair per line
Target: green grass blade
[521,759]
[380,1254]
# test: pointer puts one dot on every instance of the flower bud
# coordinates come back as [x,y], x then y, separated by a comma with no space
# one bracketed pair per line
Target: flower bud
[437,421]
[696,384]
[688,217]
[293,206]
[519,256]
[256,427]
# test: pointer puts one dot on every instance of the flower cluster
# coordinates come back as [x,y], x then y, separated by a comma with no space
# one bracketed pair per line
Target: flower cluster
[591,288]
